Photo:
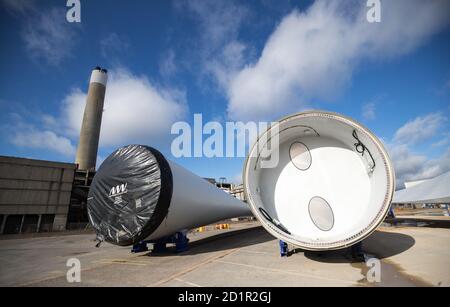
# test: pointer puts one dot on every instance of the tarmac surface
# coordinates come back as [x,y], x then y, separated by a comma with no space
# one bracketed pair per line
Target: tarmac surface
[245,255]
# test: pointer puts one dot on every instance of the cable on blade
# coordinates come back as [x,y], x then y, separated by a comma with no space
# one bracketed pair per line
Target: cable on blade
[361,148]
[273,221]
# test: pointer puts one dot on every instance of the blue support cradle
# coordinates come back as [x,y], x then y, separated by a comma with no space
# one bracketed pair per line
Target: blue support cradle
[180,240]
[284,249]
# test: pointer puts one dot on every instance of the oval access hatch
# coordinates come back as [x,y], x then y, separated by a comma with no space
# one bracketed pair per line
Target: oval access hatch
[300,156]
[321,213]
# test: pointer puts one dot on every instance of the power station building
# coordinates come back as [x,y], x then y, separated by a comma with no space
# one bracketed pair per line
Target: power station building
[41,196]
[34,195]
[44,196]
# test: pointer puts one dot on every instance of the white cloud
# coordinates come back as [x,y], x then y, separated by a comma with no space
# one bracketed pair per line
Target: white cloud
[443,89]
[410,165]
[44,140]
[313,53]
[220,51]
[135,110]
[219,21]
[17,6]
[420,129]
[226,63]
[27,135]
[167,66]
[444,141]
[47,35]
[113,47]
[368,111]
[45,31]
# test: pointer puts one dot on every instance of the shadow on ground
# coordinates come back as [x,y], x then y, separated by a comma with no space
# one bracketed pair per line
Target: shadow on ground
[229,240]
[381,244]
[419,222]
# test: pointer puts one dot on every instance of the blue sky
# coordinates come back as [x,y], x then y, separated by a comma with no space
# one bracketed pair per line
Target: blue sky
[229,60]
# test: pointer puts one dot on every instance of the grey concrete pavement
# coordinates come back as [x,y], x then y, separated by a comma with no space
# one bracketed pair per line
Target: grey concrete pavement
[410,256]
[420,253]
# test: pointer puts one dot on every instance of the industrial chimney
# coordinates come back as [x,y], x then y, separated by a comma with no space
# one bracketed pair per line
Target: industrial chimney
[90,129]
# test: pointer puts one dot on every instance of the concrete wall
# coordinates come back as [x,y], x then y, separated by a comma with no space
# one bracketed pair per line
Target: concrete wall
[35,187]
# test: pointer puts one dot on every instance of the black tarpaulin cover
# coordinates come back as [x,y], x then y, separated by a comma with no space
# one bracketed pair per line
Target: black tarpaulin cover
[130,194]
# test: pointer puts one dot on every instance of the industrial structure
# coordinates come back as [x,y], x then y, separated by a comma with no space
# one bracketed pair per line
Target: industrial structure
[42,196]
[90,129]
[429,191]
[238,192]
[433,193]
[221,184]
[34,195]
[39,196]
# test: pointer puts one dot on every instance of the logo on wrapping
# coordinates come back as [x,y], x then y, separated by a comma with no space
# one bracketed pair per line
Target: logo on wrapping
[117,192]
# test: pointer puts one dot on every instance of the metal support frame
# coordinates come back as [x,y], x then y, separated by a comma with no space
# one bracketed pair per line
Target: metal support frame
[284,249]
[356,250]
[391,213]
[2,227]
[139,247]
[38,227]
[21,223]
[180,240]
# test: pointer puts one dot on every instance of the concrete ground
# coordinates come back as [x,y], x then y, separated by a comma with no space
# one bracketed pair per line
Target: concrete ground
[245,255]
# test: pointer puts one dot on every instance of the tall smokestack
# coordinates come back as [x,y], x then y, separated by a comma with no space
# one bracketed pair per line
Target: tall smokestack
[90,129]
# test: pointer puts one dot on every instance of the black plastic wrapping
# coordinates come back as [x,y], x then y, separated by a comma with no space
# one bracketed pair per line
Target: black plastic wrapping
[130,195]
